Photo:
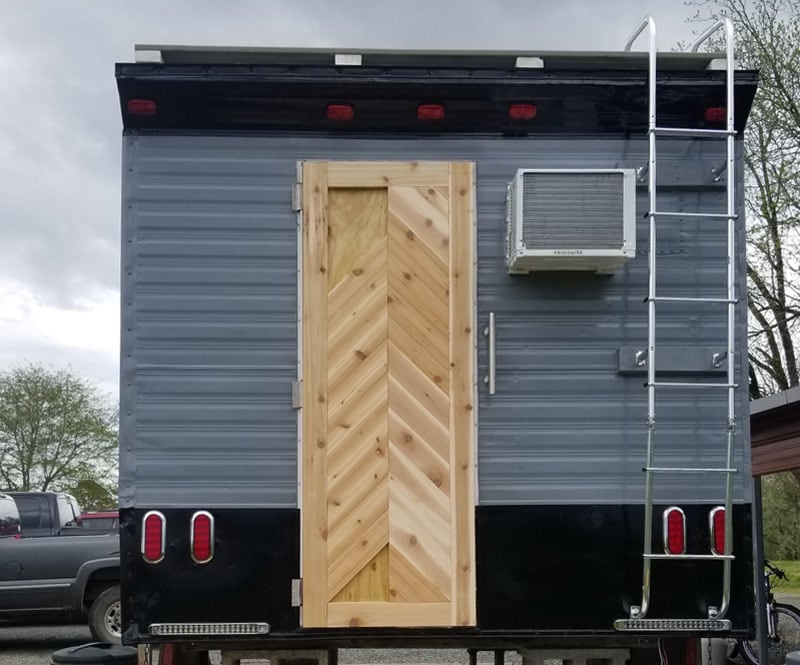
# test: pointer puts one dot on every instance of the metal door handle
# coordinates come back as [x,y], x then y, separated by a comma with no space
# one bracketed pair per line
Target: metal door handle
[488,332]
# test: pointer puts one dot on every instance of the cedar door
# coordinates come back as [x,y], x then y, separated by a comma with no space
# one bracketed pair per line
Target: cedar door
[388,394]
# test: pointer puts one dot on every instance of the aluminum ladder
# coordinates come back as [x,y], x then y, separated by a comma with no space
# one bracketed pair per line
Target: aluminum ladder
[638,620]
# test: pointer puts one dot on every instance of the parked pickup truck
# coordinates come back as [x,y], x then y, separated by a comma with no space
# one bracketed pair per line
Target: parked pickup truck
[60,576]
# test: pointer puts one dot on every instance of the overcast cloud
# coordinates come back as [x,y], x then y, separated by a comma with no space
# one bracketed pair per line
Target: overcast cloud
[60,125]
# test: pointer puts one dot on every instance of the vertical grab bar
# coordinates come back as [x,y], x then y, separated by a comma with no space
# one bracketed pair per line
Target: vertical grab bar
[640,611]
[488,332]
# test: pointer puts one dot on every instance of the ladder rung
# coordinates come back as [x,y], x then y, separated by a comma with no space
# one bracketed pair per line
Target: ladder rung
[678,384]
[691,557]
[685,131]
[690,215]
[724,301]
[676,469]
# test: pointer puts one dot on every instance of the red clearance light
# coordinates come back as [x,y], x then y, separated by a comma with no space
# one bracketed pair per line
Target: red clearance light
[153,535]
[522,111]
[141,107]
[674,531]
[340,112]
[717,527]
[716,114]
[430,112]
[202,537]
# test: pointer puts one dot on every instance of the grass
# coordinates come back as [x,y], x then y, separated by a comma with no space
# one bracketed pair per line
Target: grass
[792,570]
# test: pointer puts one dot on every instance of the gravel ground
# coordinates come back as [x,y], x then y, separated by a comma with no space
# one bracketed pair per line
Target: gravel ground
[348,656]
[33,645]
[401,657]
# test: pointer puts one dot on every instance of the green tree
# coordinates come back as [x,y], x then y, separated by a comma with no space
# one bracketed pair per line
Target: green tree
[94,494]
[781,509]
[767,39]
[57,432]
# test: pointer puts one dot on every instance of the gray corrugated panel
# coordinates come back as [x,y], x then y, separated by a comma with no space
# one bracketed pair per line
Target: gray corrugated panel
[576,430]
[213,327]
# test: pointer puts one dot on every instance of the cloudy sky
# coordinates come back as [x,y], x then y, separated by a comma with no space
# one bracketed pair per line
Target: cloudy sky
[60,125]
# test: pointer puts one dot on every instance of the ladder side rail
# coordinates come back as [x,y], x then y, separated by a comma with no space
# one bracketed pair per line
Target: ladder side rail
[726,25]
[640,611]
[651,328]
[730,144]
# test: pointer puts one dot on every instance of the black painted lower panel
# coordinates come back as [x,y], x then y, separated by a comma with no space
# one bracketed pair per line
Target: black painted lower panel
[257,553]
[543,573]
[580,567]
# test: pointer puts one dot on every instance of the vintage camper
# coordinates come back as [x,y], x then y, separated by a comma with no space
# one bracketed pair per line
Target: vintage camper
[435,349]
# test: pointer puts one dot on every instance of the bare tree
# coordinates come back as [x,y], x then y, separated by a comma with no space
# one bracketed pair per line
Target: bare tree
[768,35]
[56,430]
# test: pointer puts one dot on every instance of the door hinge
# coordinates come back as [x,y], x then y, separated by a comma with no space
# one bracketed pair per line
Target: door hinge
[297,593]
[297,394]
[297,197]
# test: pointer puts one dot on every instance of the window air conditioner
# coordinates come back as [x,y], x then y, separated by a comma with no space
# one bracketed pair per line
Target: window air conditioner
[571,219]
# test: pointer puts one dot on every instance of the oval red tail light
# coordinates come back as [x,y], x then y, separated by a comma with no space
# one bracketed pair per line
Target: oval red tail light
[202,537]
[674,531]
[154,528]
[717,525]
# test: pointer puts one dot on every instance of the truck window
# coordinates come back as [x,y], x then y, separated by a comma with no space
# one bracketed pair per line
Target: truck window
[9,517]
[34,512]
[68,508]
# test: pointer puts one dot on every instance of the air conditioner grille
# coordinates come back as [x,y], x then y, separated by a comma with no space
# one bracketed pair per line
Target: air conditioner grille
[570,219]
[562,210]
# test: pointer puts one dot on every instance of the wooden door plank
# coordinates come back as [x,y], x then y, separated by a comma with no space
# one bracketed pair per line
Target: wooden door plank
[346,299]
[361,488]
[352,355]
[345,397]
[427,210]
[384,174]
[314,514]
[430,391]
[426,422]
[417,265]
[400,615]
[421,533]
[430,462]
[435,366]
[356,434]
[356,229]
[370,584]
[406,585]
[463,391]
[345,564]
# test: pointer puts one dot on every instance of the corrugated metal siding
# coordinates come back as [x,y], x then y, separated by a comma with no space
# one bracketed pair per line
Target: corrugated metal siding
[210,341]
[212,319]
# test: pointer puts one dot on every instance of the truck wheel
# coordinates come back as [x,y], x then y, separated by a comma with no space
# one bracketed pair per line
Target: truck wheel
[105,616]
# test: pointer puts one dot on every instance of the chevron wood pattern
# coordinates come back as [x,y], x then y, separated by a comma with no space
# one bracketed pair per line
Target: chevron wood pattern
[388,269]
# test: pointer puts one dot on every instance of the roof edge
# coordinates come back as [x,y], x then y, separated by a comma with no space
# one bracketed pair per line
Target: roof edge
[778,400]
[197,54]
